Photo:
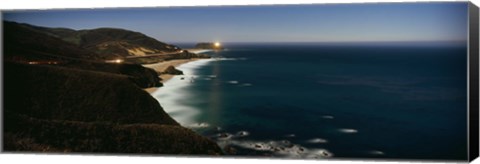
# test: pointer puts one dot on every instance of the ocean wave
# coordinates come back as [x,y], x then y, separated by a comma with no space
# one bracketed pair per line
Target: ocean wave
[348,130]
[246,85]
[327,117]
[227,59]
[290,135]
[317,140]
[376,152]
[233,82]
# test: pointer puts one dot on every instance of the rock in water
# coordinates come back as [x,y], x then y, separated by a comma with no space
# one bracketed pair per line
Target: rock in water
[172,71]
[242,134]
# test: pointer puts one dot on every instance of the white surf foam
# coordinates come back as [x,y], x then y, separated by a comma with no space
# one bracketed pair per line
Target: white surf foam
[198,125]
[246,85]
[348,130]
[317,140]
[233,82]
[327,117]
[282,148]
[173,96]
[220,59]
[377,152]
[290,135]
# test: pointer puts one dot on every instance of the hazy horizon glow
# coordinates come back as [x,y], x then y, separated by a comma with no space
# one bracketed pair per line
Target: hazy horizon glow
[370,22]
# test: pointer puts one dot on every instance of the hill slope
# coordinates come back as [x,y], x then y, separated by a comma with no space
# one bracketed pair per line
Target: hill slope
[120,42]
[105,42]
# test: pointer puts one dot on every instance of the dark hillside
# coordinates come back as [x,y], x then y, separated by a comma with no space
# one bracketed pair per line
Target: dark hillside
[104,39]
[143,77]
[30,134]
[57,109]
[51,92]
[103,43]
[22,40]
[27,43]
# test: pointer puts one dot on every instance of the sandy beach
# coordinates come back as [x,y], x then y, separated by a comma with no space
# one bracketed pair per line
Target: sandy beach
[198,51]
[160,67]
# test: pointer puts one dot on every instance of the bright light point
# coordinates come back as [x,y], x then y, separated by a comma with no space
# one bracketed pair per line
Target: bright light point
[217,44]
[115,61]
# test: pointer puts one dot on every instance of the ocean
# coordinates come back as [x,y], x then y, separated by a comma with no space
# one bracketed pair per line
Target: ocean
[343,101]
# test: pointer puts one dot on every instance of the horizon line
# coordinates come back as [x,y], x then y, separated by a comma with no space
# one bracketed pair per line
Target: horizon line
[392,41]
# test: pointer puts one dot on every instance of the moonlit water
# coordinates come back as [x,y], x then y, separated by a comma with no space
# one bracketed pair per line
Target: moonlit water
[310,101]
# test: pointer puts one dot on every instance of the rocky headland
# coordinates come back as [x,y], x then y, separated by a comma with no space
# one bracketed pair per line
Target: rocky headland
[209,45]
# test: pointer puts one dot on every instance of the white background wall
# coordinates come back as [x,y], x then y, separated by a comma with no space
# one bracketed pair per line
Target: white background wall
[87,159]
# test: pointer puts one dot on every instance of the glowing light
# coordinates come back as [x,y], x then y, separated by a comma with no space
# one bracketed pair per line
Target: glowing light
[217,44]
[114,61]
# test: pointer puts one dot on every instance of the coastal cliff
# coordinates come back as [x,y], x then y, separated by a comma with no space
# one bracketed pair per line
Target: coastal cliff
[59,109]
[61,93]
[24,42]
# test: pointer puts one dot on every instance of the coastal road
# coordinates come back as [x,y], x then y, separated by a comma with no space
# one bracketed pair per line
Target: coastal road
[156,55]
[197,51]
[61,58]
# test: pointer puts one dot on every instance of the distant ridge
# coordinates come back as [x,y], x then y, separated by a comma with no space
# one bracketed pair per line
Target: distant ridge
[22,41]
[117,41]
[101,43]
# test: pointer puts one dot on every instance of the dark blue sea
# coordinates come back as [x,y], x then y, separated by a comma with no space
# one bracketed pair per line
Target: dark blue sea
[314,100]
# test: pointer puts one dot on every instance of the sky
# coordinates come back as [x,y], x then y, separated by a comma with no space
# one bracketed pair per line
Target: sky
[371,22]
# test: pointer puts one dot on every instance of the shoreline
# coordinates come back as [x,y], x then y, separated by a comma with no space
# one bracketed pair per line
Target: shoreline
[199,51]
[159,67]
[172,95]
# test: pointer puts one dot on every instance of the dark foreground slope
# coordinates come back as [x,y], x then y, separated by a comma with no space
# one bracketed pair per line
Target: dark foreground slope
[38,135]
[57,109]
[143,77]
